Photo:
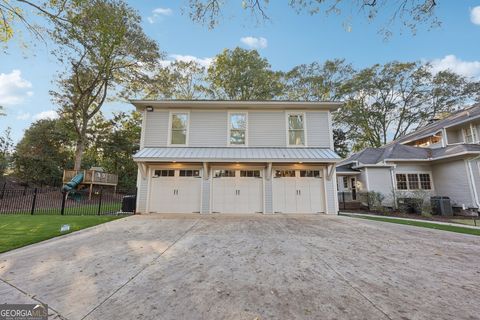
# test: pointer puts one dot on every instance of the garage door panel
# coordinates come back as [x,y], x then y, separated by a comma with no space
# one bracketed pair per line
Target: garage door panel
[237,191]
[298,191]
[172,193]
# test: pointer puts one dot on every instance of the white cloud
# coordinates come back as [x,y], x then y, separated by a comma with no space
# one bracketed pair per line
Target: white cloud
[475,15]
[158,13]
[205,62]
[49,114]
[255,42]
[23,116]
[13,88]
[452,63]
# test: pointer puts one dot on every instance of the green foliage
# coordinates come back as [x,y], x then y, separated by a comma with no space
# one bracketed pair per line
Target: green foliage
[106,48]
[241,74]
[408,13]
[43,152]
[179,80]
[6,145]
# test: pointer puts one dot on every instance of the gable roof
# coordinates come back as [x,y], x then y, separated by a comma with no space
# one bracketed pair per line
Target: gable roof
[454,119]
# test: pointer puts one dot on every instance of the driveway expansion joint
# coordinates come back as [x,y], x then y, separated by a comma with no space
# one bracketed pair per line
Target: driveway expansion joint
[143,269]
[33,297]
[351,285]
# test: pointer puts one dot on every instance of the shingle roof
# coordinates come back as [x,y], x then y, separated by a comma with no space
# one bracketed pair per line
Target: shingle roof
[229,154]
[452,120]
[399,151]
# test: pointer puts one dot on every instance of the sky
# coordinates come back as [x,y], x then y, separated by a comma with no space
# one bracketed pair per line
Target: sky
[287,39]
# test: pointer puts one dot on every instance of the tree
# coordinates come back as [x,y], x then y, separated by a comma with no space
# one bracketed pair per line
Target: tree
[241,74]
[409,13]
[6,145]
[317,82]
[16,12]
[179,80]
[385,102]
[119,146]
[340,143]
[105,47]
[43,153]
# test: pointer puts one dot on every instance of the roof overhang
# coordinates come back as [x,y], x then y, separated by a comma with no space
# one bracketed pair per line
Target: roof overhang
[229,154]
[236,104]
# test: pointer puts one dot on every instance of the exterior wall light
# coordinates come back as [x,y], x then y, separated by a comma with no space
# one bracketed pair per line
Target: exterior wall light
[149,108]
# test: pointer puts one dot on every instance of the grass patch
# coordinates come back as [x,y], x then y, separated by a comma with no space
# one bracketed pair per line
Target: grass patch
[17,231]
[430,225]
[89,209]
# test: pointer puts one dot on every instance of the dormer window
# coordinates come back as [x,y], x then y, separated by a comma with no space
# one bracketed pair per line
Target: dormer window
[179,128]
[296,129]
[237,128]
[470,134]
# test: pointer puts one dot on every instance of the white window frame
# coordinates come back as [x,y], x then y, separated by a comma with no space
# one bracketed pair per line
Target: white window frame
[170,117]
[432,187]
[293,113]
[229,128]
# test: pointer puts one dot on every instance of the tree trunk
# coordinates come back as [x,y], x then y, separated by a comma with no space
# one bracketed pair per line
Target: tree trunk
[80,147]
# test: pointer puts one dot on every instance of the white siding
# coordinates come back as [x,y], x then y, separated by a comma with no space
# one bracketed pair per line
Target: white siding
[380,180]
[451,180]
[267,129]
[476,180]
[156,128]
[318,129]
[331,195]
[208,129]
[142,188]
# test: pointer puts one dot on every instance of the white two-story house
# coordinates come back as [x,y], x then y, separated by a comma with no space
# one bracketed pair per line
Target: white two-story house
[439,159]
[236,157]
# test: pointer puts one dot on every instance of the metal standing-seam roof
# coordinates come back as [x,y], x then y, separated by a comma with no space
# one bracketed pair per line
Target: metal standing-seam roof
[229,154]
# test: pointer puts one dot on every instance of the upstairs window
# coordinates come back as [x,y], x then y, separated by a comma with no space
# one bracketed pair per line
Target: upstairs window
[179,129]
[296,129]
[468,134]
[237,128]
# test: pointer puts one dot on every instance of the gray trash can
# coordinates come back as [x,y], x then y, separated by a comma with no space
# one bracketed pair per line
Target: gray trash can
[441,206]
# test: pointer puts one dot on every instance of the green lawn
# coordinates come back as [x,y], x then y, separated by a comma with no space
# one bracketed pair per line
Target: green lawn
[18,231]
[431,225]
[89,209]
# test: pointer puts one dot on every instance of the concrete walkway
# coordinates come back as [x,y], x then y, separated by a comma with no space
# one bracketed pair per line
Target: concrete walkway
[248,267]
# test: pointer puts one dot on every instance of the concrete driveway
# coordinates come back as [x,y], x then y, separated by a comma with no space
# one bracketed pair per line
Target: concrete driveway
[248,267]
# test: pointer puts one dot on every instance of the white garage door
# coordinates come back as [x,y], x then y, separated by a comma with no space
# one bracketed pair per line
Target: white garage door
[175,191]
[298,191]
[237,191]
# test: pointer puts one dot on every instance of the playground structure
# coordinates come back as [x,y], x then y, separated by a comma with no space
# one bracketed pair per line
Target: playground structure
[80,179]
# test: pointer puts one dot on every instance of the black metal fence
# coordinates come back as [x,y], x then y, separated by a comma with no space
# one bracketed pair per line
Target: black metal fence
[348,200]
[54,202]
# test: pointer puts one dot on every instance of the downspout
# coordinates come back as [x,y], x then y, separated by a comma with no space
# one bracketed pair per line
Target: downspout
[472,181]
[393,187]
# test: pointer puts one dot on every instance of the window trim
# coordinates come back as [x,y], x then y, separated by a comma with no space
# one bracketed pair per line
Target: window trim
[287,129]
[229,123]
[418,173]
[170,118]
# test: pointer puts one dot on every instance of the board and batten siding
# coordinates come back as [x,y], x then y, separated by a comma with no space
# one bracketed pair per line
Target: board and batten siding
[156,128]
[267,129]
[451,180]
[318,129]
[208,129]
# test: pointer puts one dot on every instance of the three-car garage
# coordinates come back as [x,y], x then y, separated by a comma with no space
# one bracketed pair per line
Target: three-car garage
[227,189]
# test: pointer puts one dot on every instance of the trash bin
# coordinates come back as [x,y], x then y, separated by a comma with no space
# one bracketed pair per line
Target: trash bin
[129,203]
[441,206]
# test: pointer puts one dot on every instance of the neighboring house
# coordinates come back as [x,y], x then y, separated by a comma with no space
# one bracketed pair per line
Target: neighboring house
[236,157]
[442,159]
